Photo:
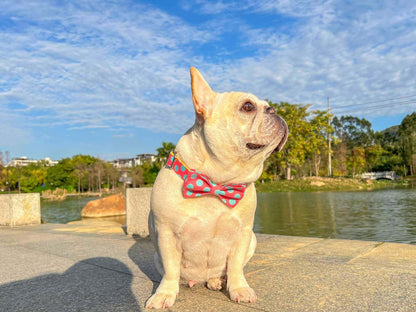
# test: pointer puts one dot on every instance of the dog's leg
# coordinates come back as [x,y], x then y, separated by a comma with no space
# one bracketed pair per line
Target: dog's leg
[239,255]
[165,294]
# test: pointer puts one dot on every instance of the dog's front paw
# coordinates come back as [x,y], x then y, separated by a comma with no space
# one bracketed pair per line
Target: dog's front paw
[161,300]
[243,294]
[215,283]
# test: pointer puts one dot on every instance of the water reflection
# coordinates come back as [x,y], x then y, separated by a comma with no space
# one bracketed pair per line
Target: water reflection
[69,210]
[388,215]
[63,211]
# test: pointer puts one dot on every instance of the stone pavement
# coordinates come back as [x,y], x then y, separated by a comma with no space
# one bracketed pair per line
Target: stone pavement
[92,267]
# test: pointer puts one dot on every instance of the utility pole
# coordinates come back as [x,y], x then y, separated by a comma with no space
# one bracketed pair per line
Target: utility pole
[329,144]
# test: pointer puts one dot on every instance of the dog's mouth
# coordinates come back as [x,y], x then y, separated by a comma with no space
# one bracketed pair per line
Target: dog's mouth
[254,146]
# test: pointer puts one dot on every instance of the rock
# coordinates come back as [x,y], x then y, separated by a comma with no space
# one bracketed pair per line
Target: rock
[317,183]
[114,205]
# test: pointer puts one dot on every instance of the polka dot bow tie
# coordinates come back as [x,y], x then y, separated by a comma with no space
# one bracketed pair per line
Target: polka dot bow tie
[196,184]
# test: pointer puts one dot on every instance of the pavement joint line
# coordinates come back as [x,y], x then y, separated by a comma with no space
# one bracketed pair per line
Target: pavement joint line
[366,253]
[119,271]
[267,267]
[292,252]
[209,293]
[117,236]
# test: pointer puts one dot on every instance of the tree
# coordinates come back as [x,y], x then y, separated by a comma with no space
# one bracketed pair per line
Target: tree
[82,171]
[7,155]
[99,171]
[339,164]
[389,139]
[296,148]
[353,131]
[150,171]
[114,176]
[136,174]
[60,175]
[318,137]
[373,157]
[164,150]
[79,173]
[407,135]
[357,160]
[18,171]
[32,176]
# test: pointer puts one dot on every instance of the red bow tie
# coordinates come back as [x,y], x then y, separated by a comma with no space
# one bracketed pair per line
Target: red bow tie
[196,184]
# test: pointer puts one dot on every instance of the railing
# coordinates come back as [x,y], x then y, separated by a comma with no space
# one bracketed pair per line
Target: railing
[388,175]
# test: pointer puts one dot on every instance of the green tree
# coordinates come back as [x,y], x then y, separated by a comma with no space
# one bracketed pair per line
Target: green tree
[85,172]
[357,160]
[150,171]
[164,150]
[389,139]
[339,160]
[60,175]
[353,131]
[32,176]
[407,135]
[113,175]
[296,147]
[317,138]
[373,157]
[11,178]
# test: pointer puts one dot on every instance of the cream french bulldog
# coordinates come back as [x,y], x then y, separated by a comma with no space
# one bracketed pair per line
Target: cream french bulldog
[206,235]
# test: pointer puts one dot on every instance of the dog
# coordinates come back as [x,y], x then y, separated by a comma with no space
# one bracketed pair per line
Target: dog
[204,199]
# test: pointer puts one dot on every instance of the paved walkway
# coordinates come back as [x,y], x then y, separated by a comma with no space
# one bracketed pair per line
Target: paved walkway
[84,267]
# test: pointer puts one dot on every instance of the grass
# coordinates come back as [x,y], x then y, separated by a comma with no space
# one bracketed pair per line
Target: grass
[314,184]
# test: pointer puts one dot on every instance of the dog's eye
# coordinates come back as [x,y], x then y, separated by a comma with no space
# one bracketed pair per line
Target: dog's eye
[248,107]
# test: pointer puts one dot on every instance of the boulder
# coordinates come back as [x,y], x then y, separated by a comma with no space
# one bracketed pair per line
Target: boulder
[114,205]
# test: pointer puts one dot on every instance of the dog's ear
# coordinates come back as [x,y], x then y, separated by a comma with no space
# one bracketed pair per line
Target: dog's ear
[202,95]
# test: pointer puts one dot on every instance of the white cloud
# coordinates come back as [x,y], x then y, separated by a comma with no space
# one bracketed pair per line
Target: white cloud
[98,64]
[98,67]
[351,53]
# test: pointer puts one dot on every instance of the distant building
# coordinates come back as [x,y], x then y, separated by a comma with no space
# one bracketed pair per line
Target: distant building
[140,159]
[124,162]
[24,161]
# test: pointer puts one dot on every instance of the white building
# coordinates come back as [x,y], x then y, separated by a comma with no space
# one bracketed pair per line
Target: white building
[24,161]
[139,160]
[142,158]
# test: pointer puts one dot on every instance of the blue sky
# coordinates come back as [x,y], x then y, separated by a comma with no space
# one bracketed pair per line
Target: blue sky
[111,78]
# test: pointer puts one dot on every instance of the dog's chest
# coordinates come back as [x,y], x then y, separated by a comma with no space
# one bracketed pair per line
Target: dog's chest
[218,224]
[206,241]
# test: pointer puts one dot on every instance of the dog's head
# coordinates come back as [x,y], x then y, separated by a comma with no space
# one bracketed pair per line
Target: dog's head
[236,126]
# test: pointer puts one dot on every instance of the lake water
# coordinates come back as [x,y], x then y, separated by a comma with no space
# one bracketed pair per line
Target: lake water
[63,211]
[386,215]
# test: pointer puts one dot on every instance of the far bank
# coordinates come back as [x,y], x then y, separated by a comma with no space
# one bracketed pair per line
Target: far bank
[324,184]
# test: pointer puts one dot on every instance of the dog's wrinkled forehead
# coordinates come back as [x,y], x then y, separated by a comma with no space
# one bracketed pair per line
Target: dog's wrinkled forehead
[234,100]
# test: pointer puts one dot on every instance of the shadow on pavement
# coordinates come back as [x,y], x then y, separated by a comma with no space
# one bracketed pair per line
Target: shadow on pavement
[95,284]
[142,254]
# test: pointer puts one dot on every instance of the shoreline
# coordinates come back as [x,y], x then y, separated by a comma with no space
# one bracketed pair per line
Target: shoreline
[307,184]
[324,184]
[51,197]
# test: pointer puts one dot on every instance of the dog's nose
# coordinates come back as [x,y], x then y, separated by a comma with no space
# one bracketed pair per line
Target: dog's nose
[270,110]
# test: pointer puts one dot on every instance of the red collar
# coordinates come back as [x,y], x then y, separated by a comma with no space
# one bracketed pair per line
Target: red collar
[196,184]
